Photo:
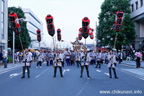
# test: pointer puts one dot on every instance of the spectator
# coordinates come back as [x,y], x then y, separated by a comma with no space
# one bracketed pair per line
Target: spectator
[138,58]
[5,58]
[1,58]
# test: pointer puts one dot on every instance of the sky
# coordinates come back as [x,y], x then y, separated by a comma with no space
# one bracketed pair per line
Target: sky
[68,15]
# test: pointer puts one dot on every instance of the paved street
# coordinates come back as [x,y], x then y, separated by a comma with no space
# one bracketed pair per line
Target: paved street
[42,82]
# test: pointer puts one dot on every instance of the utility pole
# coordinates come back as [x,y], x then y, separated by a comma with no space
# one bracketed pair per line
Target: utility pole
[13,46]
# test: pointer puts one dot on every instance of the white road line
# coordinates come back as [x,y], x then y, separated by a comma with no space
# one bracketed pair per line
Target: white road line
[106,74]
[78,94]
[14,74]
[131,74]
[98,70]
[65,70]
[5,71]
[41,73]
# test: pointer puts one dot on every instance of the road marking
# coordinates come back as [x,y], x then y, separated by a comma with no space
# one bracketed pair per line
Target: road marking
[98,70]
[7,70]
[14,74]
[106,74]
[131,73]
[78,94]
[65,70]
[128,65]
[41,73]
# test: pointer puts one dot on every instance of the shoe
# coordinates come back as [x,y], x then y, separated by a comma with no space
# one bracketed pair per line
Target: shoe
[54,76]
[28,76]
[62,76]
[23,77]
[80,76]
[36,66]
[88,77]
[116,78]
[110,77]
[40,67]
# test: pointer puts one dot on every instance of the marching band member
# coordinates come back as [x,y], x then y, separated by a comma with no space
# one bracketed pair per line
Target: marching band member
[99,56]
[58,63]
[67,56]
[77,56]
[112,60]
[47,57]
[51,57]
[26,63]
[31,59]
[40,59]
[85,62]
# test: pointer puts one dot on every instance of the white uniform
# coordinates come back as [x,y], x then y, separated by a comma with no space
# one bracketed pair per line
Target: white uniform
[99,56]
[40,57]
[85,60]
[67,54]
[58,63]
[26,59]
[30,56]
[111,61]
[77,56]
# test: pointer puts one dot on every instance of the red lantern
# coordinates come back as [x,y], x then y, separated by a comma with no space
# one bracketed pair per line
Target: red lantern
[38,35]
[59,34]
[118,21]
[80,34]
[85,27]
[15,22]
[91,33]
[50,25]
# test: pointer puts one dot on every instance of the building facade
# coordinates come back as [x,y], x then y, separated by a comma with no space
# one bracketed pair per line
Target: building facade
[3,24]
[33,23]
[137,15]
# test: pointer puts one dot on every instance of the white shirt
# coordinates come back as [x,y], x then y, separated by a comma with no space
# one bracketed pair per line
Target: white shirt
[27,58]
[83,61]
[111,61]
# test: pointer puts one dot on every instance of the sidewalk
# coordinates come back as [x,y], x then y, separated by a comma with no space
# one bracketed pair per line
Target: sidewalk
[10,67]
[133,63]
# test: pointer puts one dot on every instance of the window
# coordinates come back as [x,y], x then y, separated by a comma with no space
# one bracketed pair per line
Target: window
[141,2]
[132,8]
[2,20]
[136,5]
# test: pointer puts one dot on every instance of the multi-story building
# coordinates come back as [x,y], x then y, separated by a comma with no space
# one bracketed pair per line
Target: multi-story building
[137,15]
[33,23]
[3,24]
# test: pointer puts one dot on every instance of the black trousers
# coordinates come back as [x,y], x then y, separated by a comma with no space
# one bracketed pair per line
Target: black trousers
[28,70]
[98,64]
[39,63]
[138,62]
[62,63]
[113,71]
[87,70]
[78,63]
[47,63]
[55,70]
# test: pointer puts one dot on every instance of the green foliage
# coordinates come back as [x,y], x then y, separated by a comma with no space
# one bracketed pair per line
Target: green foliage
[107,21]
[10,59]
[26,40]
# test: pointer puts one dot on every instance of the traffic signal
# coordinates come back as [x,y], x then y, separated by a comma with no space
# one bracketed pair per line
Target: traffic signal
[85,27]
[118,21]
[80,34]
[38,35]
[59,34]
[15,22]
[50,25]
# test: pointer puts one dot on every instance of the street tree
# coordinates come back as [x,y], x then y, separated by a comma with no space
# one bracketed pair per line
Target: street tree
[25,38]
[106,32]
